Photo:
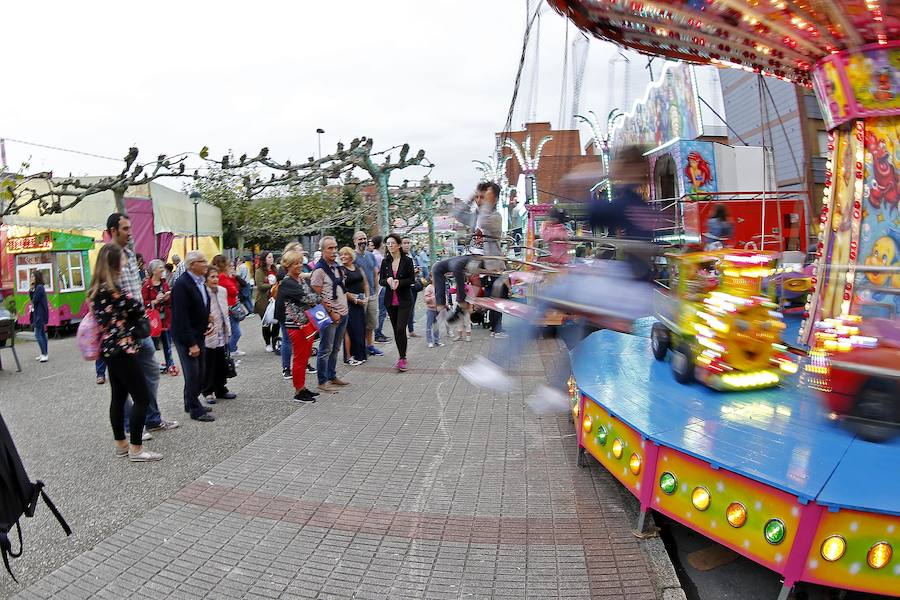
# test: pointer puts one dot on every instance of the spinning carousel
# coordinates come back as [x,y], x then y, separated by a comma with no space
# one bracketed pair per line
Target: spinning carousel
[767,472]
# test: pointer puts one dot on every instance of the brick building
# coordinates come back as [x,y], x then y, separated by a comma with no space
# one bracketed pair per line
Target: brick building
[559,156]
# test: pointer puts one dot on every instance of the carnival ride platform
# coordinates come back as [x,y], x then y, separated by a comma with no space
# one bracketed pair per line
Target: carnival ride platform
[766,472]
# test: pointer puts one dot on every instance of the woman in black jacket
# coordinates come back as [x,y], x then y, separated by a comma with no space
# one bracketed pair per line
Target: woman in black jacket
[397,275]
[40,312]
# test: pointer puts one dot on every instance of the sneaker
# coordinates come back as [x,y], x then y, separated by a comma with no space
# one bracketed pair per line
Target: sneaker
[163,369]
[430,345]
[310,368]
[39,357]
[144,456]
[146,436]
[439,344]
[354,363]
[373,351]
[101,380]
[239,353]
[286,373]
[484,373]
[382,339]
[338,381]
[304,396]
[163,426]
[328,387]
[499,334]
[121,452]
[210,399]
[546,400]
[269,348]
[43,358]
[401,365]
[226,396]
[204,418]
[413,334]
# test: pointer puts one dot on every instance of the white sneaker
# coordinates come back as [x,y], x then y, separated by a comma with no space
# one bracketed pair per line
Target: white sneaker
[39,357]
[430,345]
[43,358]
[439,344]
[239,353]
[269,348]
[147,436]
[548,401]
[484,373]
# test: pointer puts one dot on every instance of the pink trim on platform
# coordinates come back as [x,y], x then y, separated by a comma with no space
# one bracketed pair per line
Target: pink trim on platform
[803,540]
[648,481]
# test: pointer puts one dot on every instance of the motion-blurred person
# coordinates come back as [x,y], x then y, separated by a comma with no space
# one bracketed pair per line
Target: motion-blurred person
[295,297]
[555,236]
[328,282]
[608,289]
[40,313]
[190,324]
[265,277]
[718,229]
[118,313]
[432,330]
[396,276]
[157,295]
[245,283]
[215,374]
[486,226]
[357,297]
[518,221]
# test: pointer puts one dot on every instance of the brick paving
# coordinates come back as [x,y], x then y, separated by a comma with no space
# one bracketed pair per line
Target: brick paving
[411,485]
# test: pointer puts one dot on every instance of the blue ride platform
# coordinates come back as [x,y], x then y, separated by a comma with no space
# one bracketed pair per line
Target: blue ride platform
[775,452]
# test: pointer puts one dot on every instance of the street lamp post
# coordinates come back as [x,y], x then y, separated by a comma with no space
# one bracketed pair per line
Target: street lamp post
[320,131]
[195,198]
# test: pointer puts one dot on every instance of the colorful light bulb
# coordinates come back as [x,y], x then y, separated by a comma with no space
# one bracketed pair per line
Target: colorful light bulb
[668,483]
[601,435]
[700,498]
[774,531]
[617,448]
[736,514]
[879,555]
[635,463]
[833,548]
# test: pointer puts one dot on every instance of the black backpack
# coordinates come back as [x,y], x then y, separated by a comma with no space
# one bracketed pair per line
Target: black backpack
[18,496]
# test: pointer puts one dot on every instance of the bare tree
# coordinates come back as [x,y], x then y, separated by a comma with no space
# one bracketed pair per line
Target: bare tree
[54,195]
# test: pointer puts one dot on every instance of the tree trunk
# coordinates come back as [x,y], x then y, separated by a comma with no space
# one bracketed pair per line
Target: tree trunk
[240,243]
[120,201]
[384,215]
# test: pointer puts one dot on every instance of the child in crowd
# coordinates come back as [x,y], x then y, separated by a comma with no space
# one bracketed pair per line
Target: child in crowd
[432,328]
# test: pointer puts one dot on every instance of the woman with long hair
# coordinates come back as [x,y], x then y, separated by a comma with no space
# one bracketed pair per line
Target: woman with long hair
[397,275]
[214,374]
[265,277]
[40,313]
[295,297]
[228,281]
[357,289]
[118,314]
[157,295]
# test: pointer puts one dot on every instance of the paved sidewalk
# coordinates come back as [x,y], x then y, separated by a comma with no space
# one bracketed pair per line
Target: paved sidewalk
[411,485]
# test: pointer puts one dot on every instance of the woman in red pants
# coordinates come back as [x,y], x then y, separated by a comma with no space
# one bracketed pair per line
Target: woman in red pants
[295,297]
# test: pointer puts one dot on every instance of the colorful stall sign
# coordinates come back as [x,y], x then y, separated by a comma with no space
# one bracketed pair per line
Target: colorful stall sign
[32,243]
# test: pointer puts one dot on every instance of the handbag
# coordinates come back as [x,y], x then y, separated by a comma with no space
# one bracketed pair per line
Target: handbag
[319,317]
[140,328]
[155,320]
[230,367]
[269,315]
[238,312]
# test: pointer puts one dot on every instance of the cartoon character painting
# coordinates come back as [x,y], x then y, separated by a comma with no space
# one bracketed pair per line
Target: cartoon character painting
[885,252]
[884,190]
[698,174]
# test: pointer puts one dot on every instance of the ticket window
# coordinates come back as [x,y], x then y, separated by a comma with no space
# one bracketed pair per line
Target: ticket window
[70,271]
[28,263]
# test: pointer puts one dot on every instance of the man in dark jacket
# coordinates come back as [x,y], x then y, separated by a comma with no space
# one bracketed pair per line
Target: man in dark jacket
[190,324]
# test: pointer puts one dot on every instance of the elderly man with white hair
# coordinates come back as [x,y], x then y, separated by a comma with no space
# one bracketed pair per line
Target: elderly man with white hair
[190,326]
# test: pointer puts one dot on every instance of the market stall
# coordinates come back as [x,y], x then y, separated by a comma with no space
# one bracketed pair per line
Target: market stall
[62,260]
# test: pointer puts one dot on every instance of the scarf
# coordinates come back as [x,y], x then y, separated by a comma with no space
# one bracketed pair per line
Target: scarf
[336,280]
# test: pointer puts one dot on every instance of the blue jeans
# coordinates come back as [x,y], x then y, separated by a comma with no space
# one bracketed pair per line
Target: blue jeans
[150,368]
[40,334]
[100,367]
[286,350]
[382,313]
[165,339]
[412,312]
[330,340]
[235,333]
[432,331]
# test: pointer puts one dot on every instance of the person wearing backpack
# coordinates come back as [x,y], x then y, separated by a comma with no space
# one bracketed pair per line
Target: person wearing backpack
[119,316]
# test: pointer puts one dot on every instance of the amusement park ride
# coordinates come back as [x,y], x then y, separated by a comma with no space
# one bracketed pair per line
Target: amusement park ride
[770,471]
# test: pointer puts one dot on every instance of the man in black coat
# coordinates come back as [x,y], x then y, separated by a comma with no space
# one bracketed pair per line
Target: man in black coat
[190,324]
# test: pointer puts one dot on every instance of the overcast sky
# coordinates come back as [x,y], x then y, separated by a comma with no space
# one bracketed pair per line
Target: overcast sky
[101,76]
